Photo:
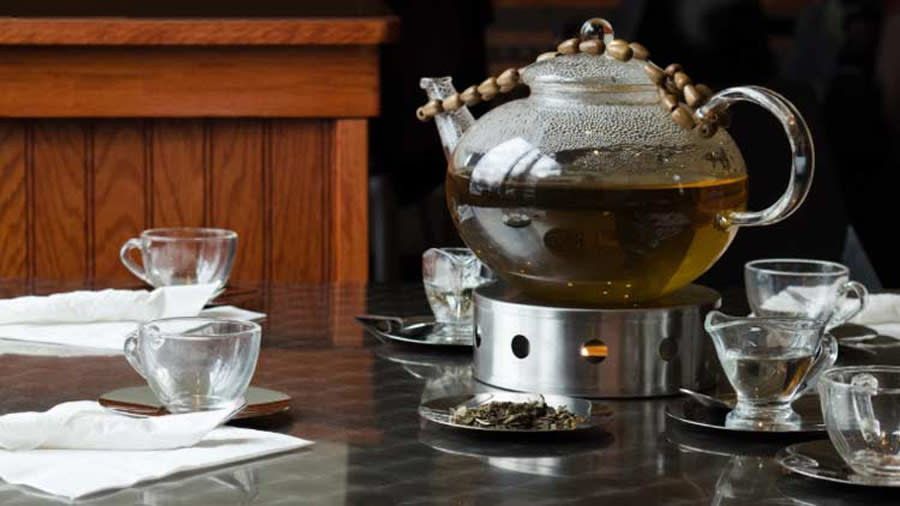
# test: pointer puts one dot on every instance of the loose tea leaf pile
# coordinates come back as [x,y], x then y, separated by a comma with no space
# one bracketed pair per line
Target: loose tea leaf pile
[535,415]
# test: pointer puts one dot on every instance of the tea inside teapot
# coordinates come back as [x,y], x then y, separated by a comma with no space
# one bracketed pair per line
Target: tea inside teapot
[576,238]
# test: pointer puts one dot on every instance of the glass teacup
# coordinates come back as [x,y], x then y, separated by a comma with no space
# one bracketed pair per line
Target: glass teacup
[861,406]
[182,256]
[799,288]
[450,276]
[769,363]
[195,364]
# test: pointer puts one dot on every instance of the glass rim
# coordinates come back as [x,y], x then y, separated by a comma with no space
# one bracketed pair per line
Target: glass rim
[827,377]
[754,265]
[202,234]
[249,327]
[732,320]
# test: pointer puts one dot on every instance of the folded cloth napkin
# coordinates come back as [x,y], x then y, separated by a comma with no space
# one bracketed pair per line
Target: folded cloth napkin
[107,305]
[86,425]
[882,313]
[103,319]
[80,448]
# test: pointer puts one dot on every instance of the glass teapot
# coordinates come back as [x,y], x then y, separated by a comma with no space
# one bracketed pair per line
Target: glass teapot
[612,183]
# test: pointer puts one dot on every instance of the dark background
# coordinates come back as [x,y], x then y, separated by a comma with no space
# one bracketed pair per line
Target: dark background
[837,60]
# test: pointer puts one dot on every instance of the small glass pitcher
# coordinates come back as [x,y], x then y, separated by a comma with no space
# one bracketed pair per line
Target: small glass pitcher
[450,276]
[769,363]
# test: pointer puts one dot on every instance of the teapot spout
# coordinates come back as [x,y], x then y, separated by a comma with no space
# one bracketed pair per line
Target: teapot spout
[450,124]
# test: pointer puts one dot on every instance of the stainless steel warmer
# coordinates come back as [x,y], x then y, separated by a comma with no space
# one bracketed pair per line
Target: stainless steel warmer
[527,345]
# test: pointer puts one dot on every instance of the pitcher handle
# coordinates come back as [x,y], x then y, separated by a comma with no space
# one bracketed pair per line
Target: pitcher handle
[842,316]
[130,264]
[802,152]
[825,358]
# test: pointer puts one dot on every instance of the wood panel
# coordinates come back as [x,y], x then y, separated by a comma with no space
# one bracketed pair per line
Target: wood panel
[61,227]
[349,179]
[237,191]
[13,230]
[211,31]
[71,192]
[119,201]
[297,186]
[179,184]
[178,82]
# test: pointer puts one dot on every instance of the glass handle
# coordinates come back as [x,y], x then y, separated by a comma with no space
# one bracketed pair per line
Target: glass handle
[844,315]
[132,355]
[825,358]
[131,265]
[802,153]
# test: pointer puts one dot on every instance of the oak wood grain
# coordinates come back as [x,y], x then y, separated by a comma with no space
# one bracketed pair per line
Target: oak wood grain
[237,196]
[13,229]
[178,173]
[60,208]
[298,226]
[198,31]
[348,201]
[119,206]
[178,82]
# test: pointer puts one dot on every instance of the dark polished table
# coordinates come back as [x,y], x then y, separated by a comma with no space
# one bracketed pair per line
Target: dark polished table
[357,399]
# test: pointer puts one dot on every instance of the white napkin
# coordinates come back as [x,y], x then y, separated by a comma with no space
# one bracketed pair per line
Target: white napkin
[882,313]
[102,320]
[86,425]
[79,448]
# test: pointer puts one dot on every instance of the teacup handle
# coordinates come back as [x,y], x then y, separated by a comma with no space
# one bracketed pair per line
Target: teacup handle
[132,355]
[842,316]
[131,265]
[825,358]
[802,155]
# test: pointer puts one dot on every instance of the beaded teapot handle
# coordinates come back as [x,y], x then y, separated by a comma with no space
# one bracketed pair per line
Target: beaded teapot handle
[678,94]
[692,106]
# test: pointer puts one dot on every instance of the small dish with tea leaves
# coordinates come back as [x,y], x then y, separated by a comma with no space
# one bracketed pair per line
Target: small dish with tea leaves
[512,412]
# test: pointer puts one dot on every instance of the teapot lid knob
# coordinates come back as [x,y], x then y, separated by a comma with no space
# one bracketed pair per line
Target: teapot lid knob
[596,28]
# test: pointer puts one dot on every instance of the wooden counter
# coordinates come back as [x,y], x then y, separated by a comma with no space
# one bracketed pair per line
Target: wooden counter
[114,125]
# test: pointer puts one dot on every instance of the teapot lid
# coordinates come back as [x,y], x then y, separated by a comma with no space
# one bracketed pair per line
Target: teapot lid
[588,69]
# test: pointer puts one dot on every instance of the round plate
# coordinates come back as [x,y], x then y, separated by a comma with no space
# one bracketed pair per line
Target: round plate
[691,412]
[819,460]
[418,330]
[141,401]
[438,410]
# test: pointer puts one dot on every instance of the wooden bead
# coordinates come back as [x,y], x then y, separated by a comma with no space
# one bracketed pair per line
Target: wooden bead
[640,52]
[420,114]
[681,80]
[546,56]
[672,68]
[488,88]
[452,103]
[721,117]
[668,100]
[683,116]
[656,74]
[669,84]
[692,97]
[619,50]
[470,95]
[431,109]
[704,90]
[508,80]
[707,129]
[593,46]
[569,46]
